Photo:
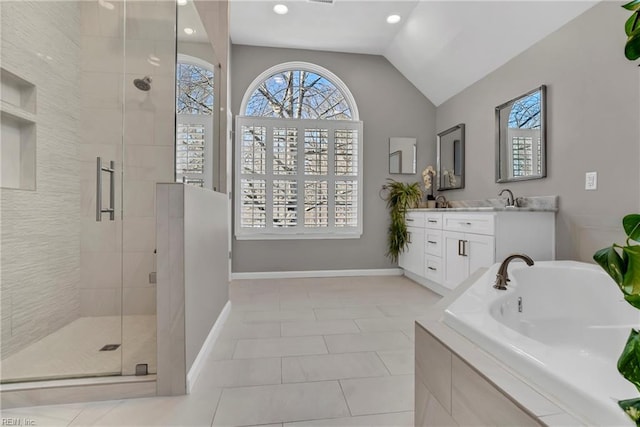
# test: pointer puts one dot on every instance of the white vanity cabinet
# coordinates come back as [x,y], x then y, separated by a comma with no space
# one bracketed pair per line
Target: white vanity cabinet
[433,247]
[447,246]
[464,254]
[412,259]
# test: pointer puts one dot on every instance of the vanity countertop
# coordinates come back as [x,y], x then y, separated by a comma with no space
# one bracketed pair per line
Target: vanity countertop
[486,209]
[527,204]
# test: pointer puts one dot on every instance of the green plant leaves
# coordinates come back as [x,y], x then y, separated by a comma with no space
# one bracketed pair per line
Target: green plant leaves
[629,361]
[631,279]
[632,5]
[631,224]
[625,271]
[632,47]
[612,263]
[632,408]
[631,24]
[402,196]
[632,30]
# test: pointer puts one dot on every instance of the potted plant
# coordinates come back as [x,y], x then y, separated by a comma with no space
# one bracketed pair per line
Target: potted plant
[622,263]
[401,196]
[632,29]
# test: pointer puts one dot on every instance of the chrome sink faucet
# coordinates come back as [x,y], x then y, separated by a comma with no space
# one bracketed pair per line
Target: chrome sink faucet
[503,277]
[511,201]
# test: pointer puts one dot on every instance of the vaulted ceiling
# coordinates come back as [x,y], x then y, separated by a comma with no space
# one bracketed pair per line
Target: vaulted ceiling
[441,46]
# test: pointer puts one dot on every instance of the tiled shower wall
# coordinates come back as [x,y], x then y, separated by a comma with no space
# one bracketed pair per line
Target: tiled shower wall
[40,237]
[145,47]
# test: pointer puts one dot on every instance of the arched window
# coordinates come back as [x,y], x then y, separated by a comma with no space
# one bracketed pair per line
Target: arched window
[194,130]
[298,156]
[524,134]
[298,94]
[194,86]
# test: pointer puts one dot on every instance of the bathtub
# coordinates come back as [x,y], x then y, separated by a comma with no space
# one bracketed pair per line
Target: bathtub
[566,339]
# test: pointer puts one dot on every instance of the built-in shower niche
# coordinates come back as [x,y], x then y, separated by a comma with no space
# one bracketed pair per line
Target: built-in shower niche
[17,132]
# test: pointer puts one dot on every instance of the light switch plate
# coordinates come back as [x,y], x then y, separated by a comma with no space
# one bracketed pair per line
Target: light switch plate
[591,181]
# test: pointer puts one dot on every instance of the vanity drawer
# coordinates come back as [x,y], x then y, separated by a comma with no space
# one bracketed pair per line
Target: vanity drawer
[470,223]
[433,268]
[433,220]
[433,242]
[415,219]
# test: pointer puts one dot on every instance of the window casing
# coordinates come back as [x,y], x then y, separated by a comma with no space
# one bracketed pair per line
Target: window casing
[298,157]
[298,178]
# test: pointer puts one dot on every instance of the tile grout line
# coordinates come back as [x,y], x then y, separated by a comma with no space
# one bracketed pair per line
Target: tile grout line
[325,344]
[100,417]
[215,411]
[344,396]
[382,361]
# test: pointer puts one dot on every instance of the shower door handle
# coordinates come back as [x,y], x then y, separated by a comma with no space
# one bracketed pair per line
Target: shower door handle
[111,170]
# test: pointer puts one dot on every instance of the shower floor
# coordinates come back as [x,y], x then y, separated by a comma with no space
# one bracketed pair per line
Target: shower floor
[73,350]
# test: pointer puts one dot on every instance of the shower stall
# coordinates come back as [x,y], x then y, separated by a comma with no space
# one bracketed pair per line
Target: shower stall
[87,130]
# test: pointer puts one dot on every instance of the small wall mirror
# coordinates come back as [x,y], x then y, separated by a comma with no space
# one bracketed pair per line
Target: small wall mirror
[521,137]
[402,155]
[451,158]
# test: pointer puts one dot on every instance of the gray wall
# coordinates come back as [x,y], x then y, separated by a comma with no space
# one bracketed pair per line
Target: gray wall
[593,110]
[389,105]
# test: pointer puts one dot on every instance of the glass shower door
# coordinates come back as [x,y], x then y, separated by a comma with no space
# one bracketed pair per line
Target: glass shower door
[61,188]
[149,129]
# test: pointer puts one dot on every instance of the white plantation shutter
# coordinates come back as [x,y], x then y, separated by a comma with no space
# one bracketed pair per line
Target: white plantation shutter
[298,178]
[192,145]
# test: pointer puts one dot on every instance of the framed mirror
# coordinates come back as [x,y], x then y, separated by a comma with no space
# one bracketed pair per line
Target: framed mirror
[450,162]
[402,155]
[521,146]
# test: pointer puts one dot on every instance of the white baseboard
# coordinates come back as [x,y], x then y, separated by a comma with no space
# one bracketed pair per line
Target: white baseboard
[207,346]
[432,286]
[317,273]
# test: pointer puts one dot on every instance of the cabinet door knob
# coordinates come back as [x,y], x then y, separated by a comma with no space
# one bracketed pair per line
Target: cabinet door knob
[432,269]
[409,237]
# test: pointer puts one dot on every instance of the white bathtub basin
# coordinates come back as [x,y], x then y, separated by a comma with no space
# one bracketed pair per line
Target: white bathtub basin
[566,340]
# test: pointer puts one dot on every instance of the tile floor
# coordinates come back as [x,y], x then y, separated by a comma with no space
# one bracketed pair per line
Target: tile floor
[294,352]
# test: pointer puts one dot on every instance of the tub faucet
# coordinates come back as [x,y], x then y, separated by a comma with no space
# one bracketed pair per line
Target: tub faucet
[511,201]
[502,277]
[441,201]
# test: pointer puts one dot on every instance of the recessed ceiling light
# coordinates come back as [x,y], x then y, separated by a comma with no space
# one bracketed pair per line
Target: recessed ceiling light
[182,2]
[393,19]
[280,9]
[189,31]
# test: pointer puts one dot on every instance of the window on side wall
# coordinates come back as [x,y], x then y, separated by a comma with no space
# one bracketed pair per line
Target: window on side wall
[194,122]
[298,151]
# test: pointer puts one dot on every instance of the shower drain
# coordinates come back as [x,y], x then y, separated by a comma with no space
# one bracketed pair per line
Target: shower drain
[110,347]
